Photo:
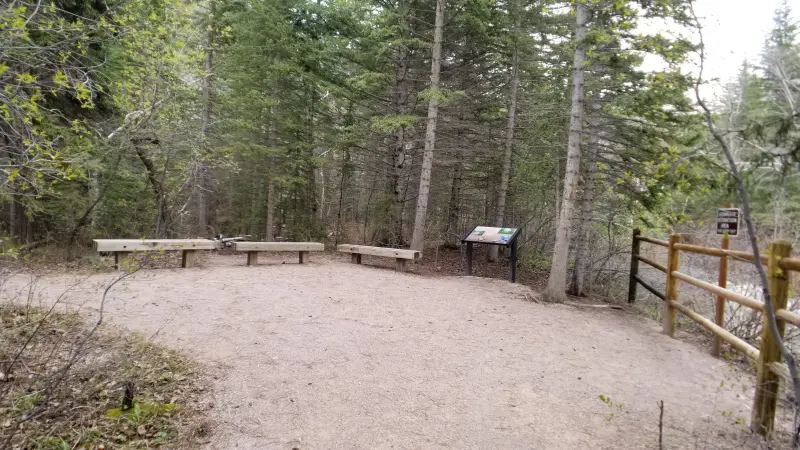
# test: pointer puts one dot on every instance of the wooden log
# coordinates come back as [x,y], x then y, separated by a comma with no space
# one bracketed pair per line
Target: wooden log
[303,257]
[726,335]
[634,272]
[400,264]
[710,251]
[790,264]
[788,316]
[278,247]
[252,258]
[143,245]
[118,258]
[380,251]
[765,402]
[653,241]
[355,258]
[719,305]
[650,288]
[671,294]
[652,263]
[781,370]
[188,258]
[714,289]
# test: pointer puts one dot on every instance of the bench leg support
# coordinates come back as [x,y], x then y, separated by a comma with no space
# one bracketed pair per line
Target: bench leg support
[400,264]
[355,258]
[118,258]
[252,258]
[188,258]
[303,257]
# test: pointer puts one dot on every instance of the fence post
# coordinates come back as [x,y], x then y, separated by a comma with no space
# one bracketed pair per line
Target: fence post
[765,401]
[719,306]
[673,263]
[634,265]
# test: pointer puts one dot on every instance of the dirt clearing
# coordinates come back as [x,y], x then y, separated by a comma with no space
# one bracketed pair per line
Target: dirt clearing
[334,355]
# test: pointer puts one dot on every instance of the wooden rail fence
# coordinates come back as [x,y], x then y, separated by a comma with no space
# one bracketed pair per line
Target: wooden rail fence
[779,263]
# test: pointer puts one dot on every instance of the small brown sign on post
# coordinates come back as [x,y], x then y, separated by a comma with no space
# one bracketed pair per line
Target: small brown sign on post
[728,221]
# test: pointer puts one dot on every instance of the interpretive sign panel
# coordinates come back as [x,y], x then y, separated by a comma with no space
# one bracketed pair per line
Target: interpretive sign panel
[505,236]
[728,221]
[491,235]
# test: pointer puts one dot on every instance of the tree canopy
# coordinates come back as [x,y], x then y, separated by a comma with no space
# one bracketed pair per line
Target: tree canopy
[298,120]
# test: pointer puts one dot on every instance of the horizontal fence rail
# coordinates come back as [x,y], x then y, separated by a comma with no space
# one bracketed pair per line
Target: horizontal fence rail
[768,357]
[714,289]
[710,251]
[654,241]
[652,263]
[726,335]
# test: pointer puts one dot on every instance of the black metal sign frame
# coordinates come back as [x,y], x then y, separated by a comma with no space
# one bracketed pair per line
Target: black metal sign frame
[512,243]
[728,221]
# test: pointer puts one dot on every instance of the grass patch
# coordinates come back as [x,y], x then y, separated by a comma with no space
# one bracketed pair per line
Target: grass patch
[44,406]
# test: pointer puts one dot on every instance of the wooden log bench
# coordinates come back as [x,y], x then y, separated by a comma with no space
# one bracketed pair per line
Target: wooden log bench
[123,247]
[252,249]
[400,255]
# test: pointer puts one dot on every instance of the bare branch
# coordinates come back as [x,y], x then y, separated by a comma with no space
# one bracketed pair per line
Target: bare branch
[751,231]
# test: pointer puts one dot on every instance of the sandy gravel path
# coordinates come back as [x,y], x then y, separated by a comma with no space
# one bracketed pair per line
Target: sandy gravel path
[332,355]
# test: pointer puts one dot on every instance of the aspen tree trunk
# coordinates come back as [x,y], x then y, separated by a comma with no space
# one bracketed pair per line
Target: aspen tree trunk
[507,155]
[418,237]
[557,184]
[557,283]
[583,268]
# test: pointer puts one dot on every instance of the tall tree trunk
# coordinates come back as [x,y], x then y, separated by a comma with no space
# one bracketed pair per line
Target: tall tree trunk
[400,92]
[255,191]
[557,184]
[269,227]
[346,171]
[21,222]
[507,155]
[12,218]
[582,269]
[311,170]
[163,220]
[557,283]
[418,237]
[270,233]
[200,169]
[453,234]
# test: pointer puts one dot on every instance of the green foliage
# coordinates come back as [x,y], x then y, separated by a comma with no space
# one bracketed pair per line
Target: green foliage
[764,134]
[142,413]
[388,124]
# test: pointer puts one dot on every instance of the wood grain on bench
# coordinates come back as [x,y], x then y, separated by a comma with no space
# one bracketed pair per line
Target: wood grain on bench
[400,255]
[122,247]
[252,249]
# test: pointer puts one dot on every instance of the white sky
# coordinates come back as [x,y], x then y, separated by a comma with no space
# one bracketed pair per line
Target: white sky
[734,30]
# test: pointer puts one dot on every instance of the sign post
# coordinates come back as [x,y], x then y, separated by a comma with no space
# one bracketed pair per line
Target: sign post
[506,237]
[727,226]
